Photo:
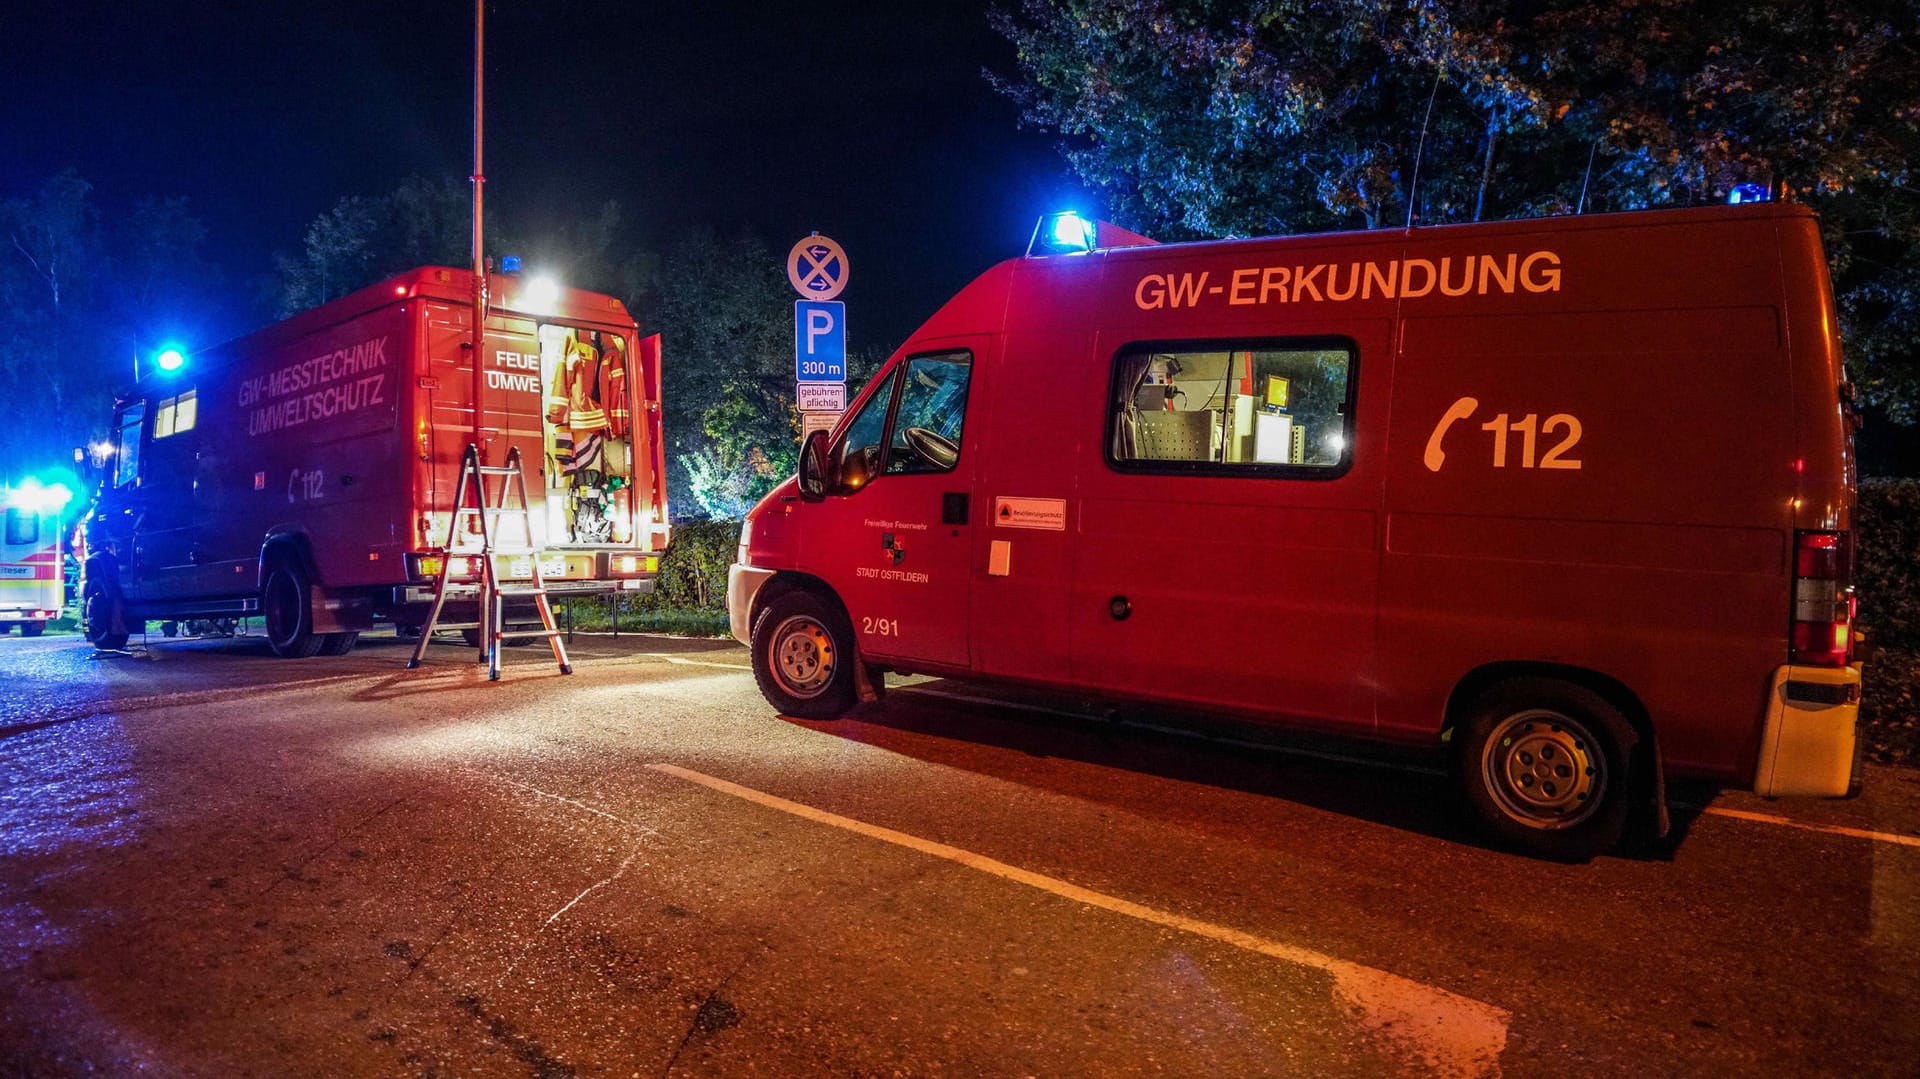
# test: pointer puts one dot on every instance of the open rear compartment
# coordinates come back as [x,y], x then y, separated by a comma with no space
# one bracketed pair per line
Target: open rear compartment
[588,436]
[578,398]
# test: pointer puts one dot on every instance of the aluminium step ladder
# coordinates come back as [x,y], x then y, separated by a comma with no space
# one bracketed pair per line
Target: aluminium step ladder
[473,501]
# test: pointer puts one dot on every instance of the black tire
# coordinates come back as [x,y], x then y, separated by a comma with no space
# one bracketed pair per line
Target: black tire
[98,608]
[1546,766]
[803,656]
[288,614]
[338,644]
[32,629]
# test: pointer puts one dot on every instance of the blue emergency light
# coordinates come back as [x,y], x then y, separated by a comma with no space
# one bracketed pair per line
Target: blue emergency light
[1062,233]
[170,360]
[510,264]
[36,497]
[1746,193]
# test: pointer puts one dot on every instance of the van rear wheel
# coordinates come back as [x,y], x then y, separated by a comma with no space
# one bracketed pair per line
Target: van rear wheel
[289,617]
[32,629]
[1544,765]
[803,657]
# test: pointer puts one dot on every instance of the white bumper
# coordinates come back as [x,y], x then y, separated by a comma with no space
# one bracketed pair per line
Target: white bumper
[1809,745]
[743,583]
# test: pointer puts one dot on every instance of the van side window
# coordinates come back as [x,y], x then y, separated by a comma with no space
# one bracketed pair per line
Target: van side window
[22,528]
[126,463]
[1282,408]
[933,405]
[856,458]
[176,415]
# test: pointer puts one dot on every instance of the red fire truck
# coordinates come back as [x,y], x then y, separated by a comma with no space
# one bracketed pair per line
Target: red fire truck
[1569,496]
[307,472]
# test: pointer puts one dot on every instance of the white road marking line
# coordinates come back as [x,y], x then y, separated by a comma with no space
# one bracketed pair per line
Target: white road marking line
[1453,1034]
[696,662]
[1832,829]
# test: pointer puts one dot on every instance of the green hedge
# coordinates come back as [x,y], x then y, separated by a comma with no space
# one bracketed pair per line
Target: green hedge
[1887,548]
[693,573]
[689,597]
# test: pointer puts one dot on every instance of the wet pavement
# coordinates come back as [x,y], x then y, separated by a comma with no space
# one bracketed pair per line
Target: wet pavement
[214,862]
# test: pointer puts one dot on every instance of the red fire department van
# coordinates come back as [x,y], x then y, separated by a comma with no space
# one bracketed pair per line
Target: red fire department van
[1571,496]
[307,472]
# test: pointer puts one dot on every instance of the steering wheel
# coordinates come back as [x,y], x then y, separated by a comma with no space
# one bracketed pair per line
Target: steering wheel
[935,449]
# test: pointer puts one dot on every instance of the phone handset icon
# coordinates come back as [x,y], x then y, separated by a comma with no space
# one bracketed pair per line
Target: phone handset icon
[1460,410]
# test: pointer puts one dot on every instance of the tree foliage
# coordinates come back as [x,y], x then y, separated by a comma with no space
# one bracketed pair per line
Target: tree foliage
[84,293]
[1200,118]
[725,311]
[364,238]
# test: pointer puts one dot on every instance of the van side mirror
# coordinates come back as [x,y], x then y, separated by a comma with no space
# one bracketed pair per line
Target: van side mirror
[814,467]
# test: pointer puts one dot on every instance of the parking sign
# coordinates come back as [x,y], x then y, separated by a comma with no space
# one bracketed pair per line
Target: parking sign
[819,341]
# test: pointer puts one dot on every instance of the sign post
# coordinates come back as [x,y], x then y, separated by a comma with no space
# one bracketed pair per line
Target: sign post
[817,268]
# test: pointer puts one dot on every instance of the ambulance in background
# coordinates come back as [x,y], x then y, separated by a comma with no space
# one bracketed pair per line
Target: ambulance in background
[1572,497]
[306,473]
[32,570]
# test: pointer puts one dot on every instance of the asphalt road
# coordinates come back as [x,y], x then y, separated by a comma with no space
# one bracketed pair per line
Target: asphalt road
[213,862]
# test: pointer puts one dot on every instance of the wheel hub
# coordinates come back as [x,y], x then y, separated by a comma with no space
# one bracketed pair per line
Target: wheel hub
[803,656]
[1544,769]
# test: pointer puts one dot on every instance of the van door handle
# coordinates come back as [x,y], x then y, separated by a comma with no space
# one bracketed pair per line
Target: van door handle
[955,508]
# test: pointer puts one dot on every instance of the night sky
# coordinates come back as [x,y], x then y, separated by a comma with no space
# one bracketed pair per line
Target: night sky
[869,122]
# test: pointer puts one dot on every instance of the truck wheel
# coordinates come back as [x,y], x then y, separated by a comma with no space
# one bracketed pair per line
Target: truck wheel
[97,610]
[32,629]
[288,616]
[1544,766]
[338,644]
[803,657]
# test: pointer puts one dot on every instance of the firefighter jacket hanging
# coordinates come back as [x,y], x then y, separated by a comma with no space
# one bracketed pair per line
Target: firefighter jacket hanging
[588,420]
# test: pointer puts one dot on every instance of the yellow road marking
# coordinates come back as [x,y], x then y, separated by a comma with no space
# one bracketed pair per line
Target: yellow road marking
[1453,1034]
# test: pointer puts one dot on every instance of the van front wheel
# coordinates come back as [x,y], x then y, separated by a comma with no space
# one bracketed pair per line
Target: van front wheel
[1544,765]
[803,657]
[99,611]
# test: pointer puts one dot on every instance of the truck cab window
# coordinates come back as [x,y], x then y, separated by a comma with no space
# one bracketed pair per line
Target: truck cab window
[176,415]
[856,459]
[126,457]
[1232,407]
[933,403]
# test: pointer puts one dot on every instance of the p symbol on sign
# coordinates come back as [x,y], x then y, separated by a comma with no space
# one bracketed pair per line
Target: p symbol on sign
[819,324]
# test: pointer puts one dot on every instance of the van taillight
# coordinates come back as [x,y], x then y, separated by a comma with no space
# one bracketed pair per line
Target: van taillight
[1822,599]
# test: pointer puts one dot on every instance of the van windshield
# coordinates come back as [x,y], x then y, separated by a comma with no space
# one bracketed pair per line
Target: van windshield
[126,465]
